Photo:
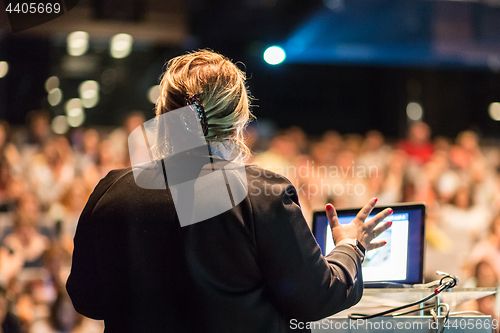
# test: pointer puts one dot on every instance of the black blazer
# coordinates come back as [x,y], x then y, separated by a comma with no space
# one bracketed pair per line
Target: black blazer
[252,269]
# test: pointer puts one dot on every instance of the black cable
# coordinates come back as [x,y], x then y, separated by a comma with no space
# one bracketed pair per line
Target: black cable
[446,282]
[414,310]
[355,316]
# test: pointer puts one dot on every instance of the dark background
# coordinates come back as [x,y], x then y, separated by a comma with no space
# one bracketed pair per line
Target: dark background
[351,65]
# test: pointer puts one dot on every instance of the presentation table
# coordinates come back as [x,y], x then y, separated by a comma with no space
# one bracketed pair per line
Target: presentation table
[377,300]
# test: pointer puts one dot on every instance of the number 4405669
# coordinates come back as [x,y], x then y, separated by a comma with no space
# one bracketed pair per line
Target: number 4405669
[34,8]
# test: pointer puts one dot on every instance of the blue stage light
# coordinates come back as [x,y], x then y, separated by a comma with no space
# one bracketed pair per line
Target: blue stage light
[274,55]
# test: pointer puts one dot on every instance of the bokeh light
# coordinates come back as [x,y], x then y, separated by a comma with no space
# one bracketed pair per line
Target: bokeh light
[51,83]
[77,43]
[494,111]
[77,120]
[89,93]
[154,93]
[121,46]
[55,96]
[73,107]
[414,111]
[4,68]
[274,55]
[60,125]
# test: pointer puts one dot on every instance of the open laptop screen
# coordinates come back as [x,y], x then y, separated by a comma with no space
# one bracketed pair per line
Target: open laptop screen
[401,259]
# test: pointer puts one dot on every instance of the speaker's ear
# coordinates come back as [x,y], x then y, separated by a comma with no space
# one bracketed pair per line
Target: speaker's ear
[25,15]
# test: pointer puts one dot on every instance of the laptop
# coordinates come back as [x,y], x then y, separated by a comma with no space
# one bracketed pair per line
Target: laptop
[398,264]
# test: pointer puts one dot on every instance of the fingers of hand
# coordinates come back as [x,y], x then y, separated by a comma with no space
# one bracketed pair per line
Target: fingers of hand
[379,218]
[378,231]
[366,210]
[375,245]
[331,213]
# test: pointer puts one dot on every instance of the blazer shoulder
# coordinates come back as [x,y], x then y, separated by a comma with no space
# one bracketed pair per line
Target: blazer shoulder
[269,191]
[103,186]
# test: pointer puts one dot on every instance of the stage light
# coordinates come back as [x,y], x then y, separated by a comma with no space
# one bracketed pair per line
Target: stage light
[4,68]
[55,96]
[74,111]
[51,83]
[60,125]
[414,111]
[494,111]
[75,121]
[73,107]
[121,46]
[154,93]
[89,103]
[78,43]
[89,93]
[274,55]
[88,89]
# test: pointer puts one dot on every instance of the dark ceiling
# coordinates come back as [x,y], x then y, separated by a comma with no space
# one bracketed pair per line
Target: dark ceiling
[351,65]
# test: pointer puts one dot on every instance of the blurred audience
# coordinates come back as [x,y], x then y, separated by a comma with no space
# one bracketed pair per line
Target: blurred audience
[485,276]
[46,179]
[26,243]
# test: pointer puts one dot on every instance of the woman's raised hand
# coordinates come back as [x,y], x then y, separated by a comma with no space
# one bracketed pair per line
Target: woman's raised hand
[358,229]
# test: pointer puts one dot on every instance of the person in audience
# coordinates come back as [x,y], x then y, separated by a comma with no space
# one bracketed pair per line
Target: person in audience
[465,223]
[374,151]
[353,143]
[466,152]
[462,211]
[391,178]
[26,244]
[88,156]
[418,145]
[71,206]
[8,151]
[488,249]
[280,157]
[485,276]
[56,260]
[62,316]
[298,136]
[350,182]
[52,171]
[334,141]
[314,176]
[5,175]
[9,323]
[10,165]
[31,141]
[118,138]
[25,308]
[107,161]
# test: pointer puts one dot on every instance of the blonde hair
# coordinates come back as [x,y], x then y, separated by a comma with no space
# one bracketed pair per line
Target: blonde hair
[220,85]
